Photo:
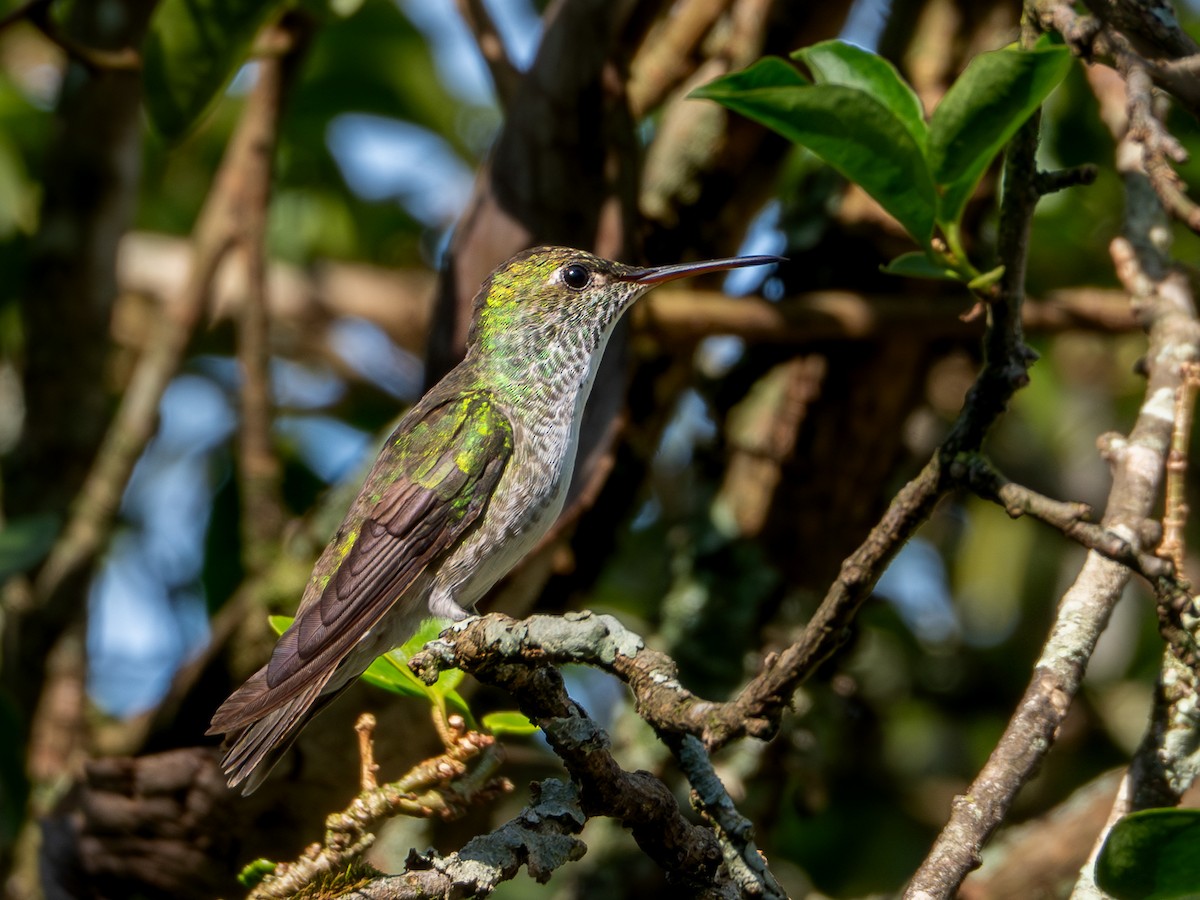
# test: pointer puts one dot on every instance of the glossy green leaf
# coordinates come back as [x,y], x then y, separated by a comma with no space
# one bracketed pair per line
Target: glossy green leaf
[986,279]
[1152,855]
[848,129]
[390,671]
[770,71]
[191,51]
[836,62]
[919,265]
[24,541]
[981,112]
[253,873]
[392,674]
[508,722]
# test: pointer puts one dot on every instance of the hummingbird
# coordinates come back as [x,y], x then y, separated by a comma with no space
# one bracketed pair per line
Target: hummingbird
[471,479]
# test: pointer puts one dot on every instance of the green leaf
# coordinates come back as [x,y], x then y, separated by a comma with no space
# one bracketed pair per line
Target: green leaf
[836,62]
[851,131]
[24,541]
[391,673]
[508,722]
[192,50]
[919,265]
[1152,855]
[986,279]
[981,112]
[770,71]
[428,631]
[253,874]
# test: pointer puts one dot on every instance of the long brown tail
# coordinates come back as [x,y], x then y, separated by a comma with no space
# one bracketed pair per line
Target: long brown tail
[253,746]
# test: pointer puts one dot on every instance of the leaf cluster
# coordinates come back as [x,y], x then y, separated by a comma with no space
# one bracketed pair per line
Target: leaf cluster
[861,117]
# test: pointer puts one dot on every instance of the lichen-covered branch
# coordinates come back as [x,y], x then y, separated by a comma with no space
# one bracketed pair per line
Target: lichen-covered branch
[517,655]
[541,837]
[745,863]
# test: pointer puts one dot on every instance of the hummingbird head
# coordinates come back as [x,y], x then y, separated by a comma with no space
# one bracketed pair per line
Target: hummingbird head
[550,301]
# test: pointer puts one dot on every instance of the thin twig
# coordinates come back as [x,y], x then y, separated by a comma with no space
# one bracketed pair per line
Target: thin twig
[1072,519]
[365,728]
[1100,37]
[1159,147]
[747,866]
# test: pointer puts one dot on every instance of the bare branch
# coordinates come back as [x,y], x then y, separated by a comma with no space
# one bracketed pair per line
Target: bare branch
[1069,518]
[743,859]
[364,728]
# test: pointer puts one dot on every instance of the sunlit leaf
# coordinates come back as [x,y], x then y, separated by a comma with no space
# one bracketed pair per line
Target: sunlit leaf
[508,722]
[191,51]
[836,62]
[393,675]
[253,873]
[844,126]
[981,112]
[986,280]
[1152,855]
[919,265]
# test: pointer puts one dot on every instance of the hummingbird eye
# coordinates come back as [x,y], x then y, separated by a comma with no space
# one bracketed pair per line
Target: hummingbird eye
[576,276]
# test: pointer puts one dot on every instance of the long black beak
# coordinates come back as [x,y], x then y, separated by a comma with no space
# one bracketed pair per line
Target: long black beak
[659,274]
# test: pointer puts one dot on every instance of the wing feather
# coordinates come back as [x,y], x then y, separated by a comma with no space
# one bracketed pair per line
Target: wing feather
[447,463]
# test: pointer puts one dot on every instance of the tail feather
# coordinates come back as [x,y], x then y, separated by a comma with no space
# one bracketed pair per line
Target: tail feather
[255,741]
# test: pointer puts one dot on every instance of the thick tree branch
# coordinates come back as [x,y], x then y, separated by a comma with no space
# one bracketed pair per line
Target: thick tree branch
[517,655]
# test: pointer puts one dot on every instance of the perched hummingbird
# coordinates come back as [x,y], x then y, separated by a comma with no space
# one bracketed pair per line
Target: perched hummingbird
[471,479]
